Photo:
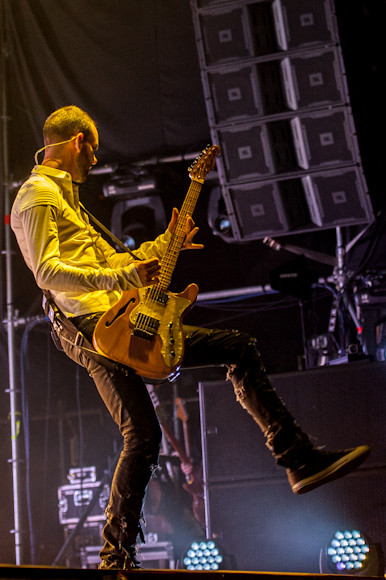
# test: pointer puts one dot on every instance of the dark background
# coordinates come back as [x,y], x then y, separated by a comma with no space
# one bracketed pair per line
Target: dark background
[132,65]
[134,68]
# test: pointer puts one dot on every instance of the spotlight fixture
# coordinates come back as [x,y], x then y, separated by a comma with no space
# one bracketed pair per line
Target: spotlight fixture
[203,555]
[138,220]
[352,552]
[218,218]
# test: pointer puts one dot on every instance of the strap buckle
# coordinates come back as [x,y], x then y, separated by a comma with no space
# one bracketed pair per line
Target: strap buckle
[48,309]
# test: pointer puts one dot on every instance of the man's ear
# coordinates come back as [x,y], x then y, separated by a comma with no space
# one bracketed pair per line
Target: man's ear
[78,140]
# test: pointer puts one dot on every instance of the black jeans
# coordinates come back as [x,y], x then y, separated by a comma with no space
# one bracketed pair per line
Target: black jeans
[126,397]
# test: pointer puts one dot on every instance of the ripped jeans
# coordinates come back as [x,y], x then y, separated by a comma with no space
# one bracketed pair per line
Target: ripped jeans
[127,399]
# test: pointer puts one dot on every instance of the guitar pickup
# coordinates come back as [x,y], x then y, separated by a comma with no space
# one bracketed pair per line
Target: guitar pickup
[158,296]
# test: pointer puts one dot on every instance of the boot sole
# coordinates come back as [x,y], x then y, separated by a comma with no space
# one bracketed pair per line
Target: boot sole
[339,468]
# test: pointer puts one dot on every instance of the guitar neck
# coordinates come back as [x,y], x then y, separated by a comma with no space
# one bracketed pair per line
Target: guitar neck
[168,262]
[174,441]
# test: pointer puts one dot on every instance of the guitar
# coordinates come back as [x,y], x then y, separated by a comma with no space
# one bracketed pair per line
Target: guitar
[194,483]
[143,330]
[194,480]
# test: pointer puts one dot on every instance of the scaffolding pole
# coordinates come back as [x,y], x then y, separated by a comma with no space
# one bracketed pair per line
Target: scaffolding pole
[15,414]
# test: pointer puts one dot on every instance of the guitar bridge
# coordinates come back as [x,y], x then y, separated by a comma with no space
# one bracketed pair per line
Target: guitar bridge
[142,333]
[146,327]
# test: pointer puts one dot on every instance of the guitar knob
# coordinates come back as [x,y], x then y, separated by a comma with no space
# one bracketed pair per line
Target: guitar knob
[171,341]
[172,353]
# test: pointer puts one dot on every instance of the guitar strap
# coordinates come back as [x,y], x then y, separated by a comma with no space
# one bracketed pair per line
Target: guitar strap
[108,233]
[64,329]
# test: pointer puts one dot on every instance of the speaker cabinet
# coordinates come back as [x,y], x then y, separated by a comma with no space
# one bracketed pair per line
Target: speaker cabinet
[278,106]
[323,138]
[334,197]
[267,528]
[250,507]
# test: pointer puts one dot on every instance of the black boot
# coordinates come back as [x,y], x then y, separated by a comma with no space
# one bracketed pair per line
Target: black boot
[121,533]
[124,512]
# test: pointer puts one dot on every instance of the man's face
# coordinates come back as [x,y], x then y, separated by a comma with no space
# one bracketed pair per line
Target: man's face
[86,158]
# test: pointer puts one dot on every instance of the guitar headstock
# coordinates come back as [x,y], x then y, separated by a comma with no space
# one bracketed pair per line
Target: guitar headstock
[182,412]
[204,163]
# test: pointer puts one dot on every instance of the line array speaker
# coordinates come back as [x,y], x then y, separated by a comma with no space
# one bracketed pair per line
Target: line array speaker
[278,105]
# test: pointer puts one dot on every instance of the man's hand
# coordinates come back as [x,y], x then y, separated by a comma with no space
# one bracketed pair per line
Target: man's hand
[148,271]
[190,231]
[187,468]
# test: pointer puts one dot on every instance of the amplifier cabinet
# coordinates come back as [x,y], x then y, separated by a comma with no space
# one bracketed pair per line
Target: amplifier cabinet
[338,406]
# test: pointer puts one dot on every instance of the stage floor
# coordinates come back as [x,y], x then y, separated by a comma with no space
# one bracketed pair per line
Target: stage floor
[50,573]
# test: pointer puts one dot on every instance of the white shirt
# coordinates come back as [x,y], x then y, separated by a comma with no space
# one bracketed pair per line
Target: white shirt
[66,254]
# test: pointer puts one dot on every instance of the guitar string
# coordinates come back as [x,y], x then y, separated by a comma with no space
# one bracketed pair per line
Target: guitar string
[168,264]
[143,322]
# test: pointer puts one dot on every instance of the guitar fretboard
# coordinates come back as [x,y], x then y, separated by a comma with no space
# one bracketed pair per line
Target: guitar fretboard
[169,260]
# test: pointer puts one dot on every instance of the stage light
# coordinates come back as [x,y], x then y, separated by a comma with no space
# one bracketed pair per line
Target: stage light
[352,552]
[218,217]
[223,225]
[203,555]
[138,220]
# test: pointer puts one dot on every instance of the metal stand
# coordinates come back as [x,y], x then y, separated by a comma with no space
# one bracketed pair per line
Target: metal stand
[15,413]
[339,279]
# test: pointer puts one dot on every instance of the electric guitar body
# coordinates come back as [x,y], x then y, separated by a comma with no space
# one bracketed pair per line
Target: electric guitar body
[144,329]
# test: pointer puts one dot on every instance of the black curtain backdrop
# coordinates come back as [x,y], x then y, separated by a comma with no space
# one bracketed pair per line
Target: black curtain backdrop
[131,65]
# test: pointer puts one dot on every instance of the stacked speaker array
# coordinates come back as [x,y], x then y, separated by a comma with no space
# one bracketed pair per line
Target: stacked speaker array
[278,105]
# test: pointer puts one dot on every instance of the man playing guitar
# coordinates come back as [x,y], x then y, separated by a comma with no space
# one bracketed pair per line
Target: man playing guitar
[84,279]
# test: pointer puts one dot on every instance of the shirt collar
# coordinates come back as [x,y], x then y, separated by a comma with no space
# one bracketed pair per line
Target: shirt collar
[57,174]
[63,179]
